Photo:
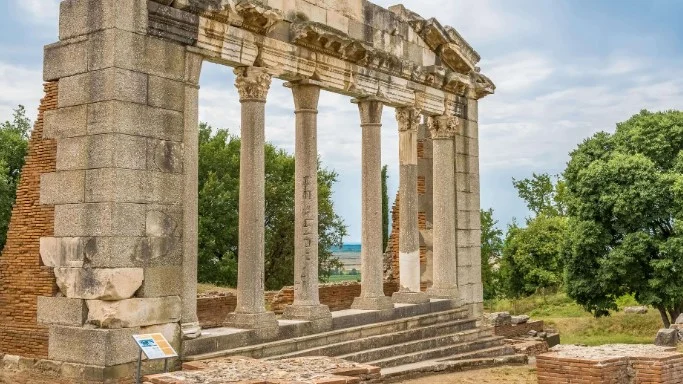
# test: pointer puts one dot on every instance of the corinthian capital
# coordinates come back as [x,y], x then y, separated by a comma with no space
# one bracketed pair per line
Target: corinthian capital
[408,119]
[252,83]
[443,127]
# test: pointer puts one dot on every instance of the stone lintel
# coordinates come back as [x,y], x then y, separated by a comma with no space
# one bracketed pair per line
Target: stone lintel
[134,312]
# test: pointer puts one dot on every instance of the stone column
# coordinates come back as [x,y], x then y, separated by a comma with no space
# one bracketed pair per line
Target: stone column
[253,84]
[409,237]
[306,304]
[189,321]
[445,283]
[372,268]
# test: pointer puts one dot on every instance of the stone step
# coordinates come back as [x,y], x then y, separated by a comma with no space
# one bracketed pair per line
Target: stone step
[486,347]
[232,342]
[417,345]
[383,340]
[436,367]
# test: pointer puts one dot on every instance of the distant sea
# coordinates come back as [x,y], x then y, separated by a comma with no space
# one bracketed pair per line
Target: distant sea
[349,254]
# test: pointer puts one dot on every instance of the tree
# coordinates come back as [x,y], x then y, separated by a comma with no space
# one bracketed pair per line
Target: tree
[543,194]
[13,147]
[385,208]
[218,213]
[491,250]
[625,202]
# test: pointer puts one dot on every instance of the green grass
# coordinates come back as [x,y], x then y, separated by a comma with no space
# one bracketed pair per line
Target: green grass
[576,326]
[343,278]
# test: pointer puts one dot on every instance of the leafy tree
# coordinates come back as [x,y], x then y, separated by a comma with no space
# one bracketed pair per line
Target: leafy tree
[532,256]
[543,194]
[625,204]
[385,208]
[13,147]
[218,213]
[491,250]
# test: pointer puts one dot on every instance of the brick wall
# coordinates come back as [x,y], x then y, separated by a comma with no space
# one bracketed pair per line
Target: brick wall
[22,278]
[212,310]
[519,329]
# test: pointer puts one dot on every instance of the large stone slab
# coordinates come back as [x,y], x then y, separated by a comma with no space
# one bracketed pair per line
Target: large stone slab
[101,347]
[134,312]
[61,311]
[99,284]
[63,251]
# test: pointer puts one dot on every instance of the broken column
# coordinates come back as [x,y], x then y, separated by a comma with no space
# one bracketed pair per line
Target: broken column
[409,119]
[253,84]
[372,262]
[445,285]
[306,304]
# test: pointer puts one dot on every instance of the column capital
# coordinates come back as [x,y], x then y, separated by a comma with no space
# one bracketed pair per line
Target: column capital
[370,111]
[253,83]
[443,127]
[408,119]
[306,95]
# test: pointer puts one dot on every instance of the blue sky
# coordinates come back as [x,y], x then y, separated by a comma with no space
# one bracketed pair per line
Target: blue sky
[564,70]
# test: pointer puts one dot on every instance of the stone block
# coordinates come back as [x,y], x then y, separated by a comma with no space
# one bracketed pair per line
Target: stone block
[102,151]
[100,347]
[99,219]
[680,319]
[61,311]
[107,84]
[80,17]
[132,186]
[164,156]
[134,312]
[64,187]
[122,252]
[164,221]
[162,281]
[338,21]
[165,93]
[667,338]
[523,319]
[640,310]
[499,319]
[135,119]
[65,122]
[65,59]
[99,284]
[63,251]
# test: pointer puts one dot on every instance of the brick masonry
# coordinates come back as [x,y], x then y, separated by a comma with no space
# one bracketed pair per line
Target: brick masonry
[22,277]
[519,329]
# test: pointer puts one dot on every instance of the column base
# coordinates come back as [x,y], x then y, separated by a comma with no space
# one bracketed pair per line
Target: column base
[264,324]
[380,303]
[408,297]
[190,330]
[319,315]
[444,293]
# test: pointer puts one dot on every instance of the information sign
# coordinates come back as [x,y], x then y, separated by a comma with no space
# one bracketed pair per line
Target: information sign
[155,346]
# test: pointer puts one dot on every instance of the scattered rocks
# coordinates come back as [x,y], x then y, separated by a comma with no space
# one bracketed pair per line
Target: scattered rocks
[516,320]
[680,319]
[533,333]
[667,338]
[640,310]
[499,318]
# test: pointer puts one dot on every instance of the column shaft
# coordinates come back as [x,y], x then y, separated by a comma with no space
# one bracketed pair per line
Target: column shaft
[372,268]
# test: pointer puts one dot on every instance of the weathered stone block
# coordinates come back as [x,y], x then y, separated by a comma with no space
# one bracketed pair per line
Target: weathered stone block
[164,156]
[65,59]
[64,187]
[99,219]
[80,17]
[99,284]
[499,319]
[523,319]
[162,281]
[102,347]
[639,310]
[61,311]
[102,151]
[63,251]
[122,252]
[165,93]
[164,221]
[107,84]
[135,119]
[134,312]
[667,338]
[680,319]
[65,122]
[132,186]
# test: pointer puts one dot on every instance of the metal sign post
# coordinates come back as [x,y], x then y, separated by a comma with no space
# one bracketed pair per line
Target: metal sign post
[155,347]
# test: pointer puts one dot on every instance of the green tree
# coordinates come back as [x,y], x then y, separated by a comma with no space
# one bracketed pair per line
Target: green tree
[13,147]
[218,213]
[543,194]
[385,208]
[491,250]
[625,204]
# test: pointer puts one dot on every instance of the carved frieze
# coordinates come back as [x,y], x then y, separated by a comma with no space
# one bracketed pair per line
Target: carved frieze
[408,119]
[483,86]
[257,17]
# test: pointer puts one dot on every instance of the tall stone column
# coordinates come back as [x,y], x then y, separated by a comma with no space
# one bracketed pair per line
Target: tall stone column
[253,84]
[306,304]
[445,283]
[409,236]
[372,264]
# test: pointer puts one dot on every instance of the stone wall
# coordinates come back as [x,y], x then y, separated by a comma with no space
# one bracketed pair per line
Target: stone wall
[22,277]
[213,310]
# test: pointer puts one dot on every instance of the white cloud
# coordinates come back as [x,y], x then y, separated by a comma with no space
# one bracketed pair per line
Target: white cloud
[40,10]
[19,86]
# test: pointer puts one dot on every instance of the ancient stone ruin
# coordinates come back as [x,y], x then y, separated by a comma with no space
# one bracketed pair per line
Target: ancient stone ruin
[103,239]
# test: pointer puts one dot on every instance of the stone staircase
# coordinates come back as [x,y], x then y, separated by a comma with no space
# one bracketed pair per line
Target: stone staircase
[446,340]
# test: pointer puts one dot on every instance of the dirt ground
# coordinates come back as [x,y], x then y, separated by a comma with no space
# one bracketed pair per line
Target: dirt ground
[508,375]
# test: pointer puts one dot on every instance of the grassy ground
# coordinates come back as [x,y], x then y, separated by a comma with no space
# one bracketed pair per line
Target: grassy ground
[577,326]
[343,278]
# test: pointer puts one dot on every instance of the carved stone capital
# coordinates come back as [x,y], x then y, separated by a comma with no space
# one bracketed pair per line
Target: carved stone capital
[443,127]
[408,119]
[370,111]
[253,83]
